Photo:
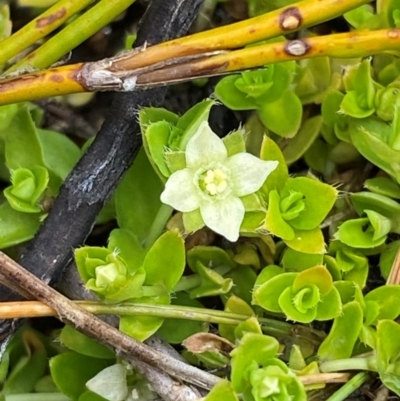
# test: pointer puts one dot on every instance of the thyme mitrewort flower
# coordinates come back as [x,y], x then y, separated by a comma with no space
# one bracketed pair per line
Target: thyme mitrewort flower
[214,182]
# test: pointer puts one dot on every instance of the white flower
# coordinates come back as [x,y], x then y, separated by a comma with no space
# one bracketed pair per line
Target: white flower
[110,383]
[214,182]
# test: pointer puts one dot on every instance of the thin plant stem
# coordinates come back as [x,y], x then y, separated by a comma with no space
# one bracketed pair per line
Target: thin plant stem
[9,310]
[41,26]
[74,34]
[278,22]
[352,385]
[37,397]
[368,363]
[79,78]
[163,215]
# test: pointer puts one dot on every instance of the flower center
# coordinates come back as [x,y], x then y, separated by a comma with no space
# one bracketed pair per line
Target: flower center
[213,181]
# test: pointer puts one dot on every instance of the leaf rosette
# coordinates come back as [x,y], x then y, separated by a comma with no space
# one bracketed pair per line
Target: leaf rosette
[301,297]
[27,188]
[259,375]
[296,211]
[108,275]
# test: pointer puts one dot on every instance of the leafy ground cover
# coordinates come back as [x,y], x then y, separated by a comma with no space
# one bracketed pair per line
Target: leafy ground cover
[251,250]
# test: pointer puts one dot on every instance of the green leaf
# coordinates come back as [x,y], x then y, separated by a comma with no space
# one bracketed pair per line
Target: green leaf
[7,113]
[377,151]
[107,274]
[319,199]
[243,278]
[330,306]
[16,227]
[174,331]
[70,372]
[142,327]
[60,154]
[22,145]
[274,221]
[30,366]
[175,160]
[212,283]
[388,257]
[165,261]
[222,391]
[192,221]
[234,142]
[277,179]
[190,122]
[350,106]
[267,294]
[342,337]
[156,125]
[302,141]
[90,396]
[363,201]
[28,187]
[211,256]
[227,92]
[318,276]
[358,102]
[295,310]
[387,297]
[137,198]
[78,342]
[124,243]
[253,347]
[330,107]
[283,116]
[234,305]
[383,186]
[310,241]
[388,354]
[156,137]
[298,261]
[353,233]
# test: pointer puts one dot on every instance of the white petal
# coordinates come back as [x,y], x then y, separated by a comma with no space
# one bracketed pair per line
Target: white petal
[180,192]
[110,383]
[204,147]
[224,216]
[248,172]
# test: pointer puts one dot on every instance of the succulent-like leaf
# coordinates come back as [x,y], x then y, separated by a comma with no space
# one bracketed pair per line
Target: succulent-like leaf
[343,335]
[252,348]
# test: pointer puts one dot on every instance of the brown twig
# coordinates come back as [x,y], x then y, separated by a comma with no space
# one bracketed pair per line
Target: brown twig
[123,345]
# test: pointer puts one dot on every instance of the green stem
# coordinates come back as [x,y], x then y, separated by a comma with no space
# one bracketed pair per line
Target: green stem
[40,27]
[161,219]
[181,312]
[368,363]
[37,397]
[74,34]
[352,385]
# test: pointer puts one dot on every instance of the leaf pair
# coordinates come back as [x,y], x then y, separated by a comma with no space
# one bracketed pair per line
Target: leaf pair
[125,271]
[268,91]
[302,297]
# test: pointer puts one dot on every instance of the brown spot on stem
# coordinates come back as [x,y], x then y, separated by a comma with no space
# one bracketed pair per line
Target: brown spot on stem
[56,78]
[290,19]
[45,21]
[298,47]
[393,33]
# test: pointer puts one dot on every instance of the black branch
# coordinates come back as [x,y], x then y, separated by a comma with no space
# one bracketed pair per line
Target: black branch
[93,180]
